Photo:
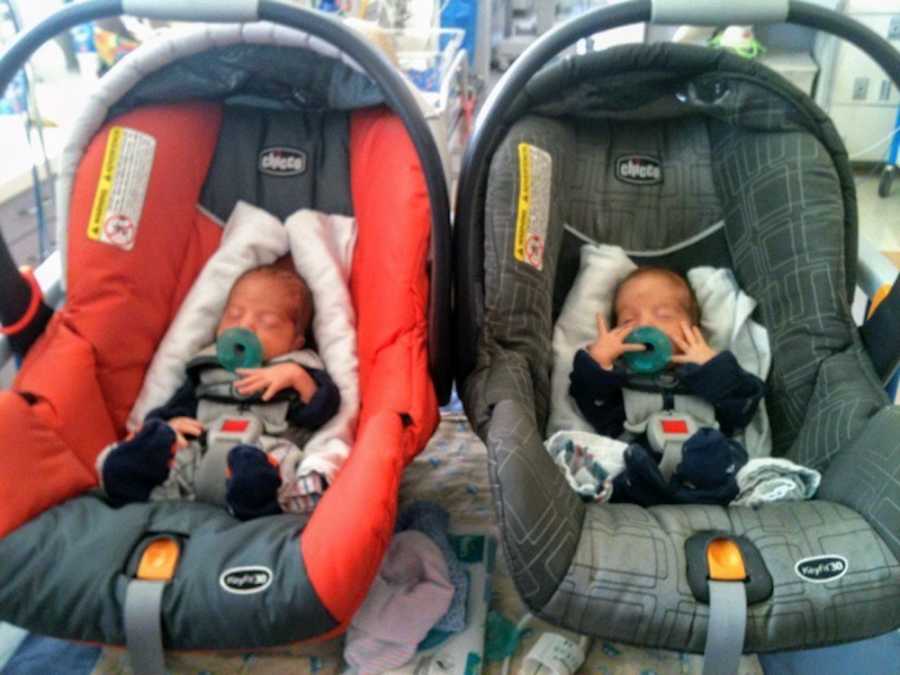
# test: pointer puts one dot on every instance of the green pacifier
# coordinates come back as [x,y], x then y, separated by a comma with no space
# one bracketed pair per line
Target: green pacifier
[655,357]
[239,348]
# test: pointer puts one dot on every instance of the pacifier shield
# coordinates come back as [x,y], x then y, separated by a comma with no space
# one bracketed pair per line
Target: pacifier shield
[239,348]
[655,357]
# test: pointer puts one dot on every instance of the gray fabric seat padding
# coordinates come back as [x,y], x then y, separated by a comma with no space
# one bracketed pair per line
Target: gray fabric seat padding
[619,571]
[634,216]
[865,476]
[787,234]
[784,225]
[627,579]
[85,601]
[234,174]
[259,75]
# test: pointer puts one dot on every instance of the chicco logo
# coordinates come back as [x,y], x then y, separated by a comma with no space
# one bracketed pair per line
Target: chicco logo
[821,568]
[639,170]
[282,162]
[245,580]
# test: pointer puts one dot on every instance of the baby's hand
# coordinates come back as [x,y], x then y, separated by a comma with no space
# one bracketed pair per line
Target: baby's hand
[272,379]
[609,344]
[183,427]
[693,346]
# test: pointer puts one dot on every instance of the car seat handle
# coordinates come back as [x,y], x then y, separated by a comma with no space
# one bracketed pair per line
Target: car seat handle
[502,104]
[398,96]
[193,10]
[718,12]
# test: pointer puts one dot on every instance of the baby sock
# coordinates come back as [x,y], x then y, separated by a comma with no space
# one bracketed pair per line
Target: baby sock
[252,489]
[136,466]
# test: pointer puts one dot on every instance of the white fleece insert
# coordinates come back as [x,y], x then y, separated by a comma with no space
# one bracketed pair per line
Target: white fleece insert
[322,249]
[725,312]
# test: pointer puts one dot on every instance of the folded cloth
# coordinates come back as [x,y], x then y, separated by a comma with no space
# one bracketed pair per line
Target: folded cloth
[434,522]
[772,479]
[588,461]
[410,593]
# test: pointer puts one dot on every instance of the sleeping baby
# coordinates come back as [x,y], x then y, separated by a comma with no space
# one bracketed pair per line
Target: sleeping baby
[680,423]
[264,415]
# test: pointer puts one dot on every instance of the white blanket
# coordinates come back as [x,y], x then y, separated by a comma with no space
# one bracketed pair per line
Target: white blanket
[322,249]
[725,312]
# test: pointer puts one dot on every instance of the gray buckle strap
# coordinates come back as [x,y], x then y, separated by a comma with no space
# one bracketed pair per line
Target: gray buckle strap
[152,566]
[223,434]
[727,625]
[672,454]
[143,626]
[209,481]
[667,432]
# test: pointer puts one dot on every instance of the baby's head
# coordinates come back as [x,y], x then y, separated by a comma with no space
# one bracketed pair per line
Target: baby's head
[275,303]
[655,296]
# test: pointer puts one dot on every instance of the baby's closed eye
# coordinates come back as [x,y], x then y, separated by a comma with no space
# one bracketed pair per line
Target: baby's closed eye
[270,320]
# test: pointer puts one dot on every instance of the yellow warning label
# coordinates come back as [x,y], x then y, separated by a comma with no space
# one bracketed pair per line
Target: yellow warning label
[533,211]
[122,187]
[524,200]
[105,184]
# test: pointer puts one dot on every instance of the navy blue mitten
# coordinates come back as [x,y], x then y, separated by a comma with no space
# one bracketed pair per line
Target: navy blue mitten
[706,474]
[708,470]
[252,490]
[136,466]
[641,482]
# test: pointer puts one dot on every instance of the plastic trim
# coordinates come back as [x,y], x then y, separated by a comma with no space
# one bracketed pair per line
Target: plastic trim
[193,10]
[49,277]
[718,12]
[36,296]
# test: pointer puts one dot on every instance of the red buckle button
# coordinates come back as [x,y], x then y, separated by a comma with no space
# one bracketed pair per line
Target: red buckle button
[674,427]
[235,425]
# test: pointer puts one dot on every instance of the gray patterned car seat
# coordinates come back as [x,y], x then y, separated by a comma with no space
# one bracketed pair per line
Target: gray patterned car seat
[682,156]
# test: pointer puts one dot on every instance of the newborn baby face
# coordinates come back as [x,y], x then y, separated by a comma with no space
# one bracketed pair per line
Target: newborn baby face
[657,300]
[259,303]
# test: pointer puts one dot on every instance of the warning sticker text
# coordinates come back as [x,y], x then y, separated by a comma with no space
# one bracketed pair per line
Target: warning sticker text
[533,214]
[122,188]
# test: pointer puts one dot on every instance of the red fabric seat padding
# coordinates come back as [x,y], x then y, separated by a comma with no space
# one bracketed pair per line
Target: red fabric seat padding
[389,285]
[86,370]
[79,381]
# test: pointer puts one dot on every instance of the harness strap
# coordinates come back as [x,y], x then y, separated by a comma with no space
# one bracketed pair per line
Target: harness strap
[143,604]
[727,623]
[727,575]
[143,627]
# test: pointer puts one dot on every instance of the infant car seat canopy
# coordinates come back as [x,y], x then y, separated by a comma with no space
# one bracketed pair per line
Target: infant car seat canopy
[684,157]
[274,116]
